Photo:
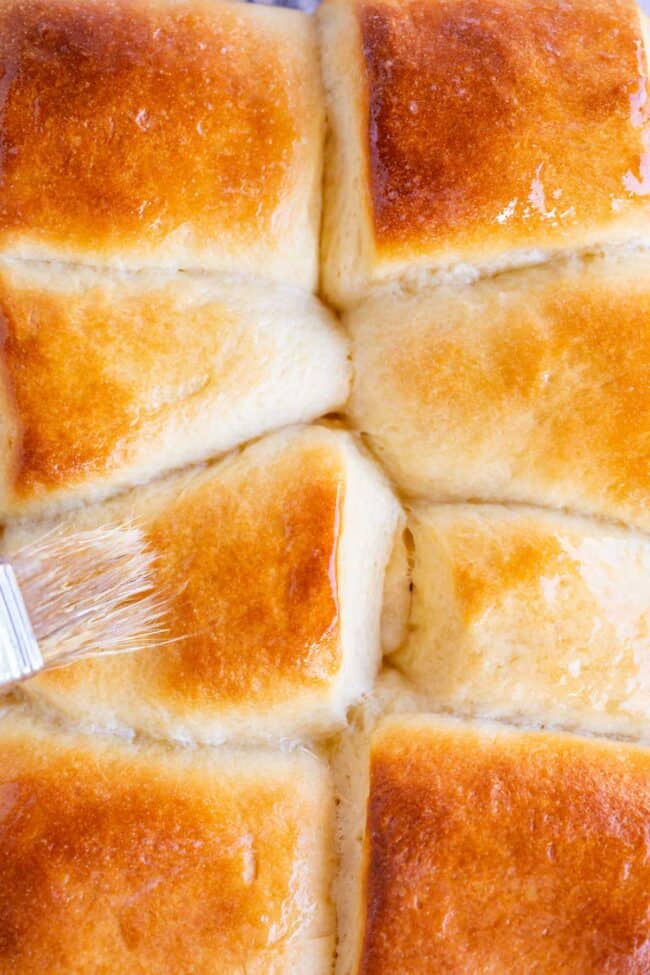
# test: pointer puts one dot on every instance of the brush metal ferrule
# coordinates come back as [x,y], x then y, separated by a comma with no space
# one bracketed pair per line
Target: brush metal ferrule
[20,656]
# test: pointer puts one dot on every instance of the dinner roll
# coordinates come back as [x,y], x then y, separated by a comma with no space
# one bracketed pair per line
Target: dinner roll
[176,133]
[479,134]
[117,857]
[489,850]
[272,565]
[109,378]
[527,613]
[532,387]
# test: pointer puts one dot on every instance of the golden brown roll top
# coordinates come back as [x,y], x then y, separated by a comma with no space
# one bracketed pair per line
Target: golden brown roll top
[479,133]
[529,613]
[490,850]
[272,564]
[182,133]
[132,859]
[530,387]
[110,378]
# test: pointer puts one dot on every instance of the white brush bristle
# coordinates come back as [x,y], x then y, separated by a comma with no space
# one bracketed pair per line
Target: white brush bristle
[90,593]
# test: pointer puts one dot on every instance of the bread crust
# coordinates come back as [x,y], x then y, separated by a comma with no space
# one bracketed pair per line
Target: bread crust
[529,615]
[178,133]
[481,134]
[271,566]
[111,378]
[530,387]
[492,850]
[133,858]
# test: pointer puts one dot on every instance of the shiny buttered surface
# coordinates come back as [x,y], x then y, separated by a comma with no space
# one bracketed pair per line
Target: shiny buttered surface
[479,132]
[269,633]
[521,611]
[494,850]
[161,133]
[399,721]
[132,858]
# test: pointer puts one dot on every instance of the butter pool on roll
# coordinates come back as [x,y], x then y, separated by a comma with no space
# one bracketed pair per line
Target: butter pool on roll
[272,566]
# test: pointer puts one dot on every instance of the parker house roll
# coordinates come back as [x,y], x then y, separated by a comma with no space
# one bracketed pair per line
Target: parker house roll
[181,133]
[490,850]
[527,613]
[481,133]
[126,858]
[272,565]
[531,387]
[109,378]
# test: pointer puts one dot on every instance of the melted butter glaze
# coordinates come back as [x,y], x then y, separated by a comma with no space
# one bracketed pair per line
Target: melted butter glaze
[125,121]
[116,859]
[491,851]
[504,123]
[259,599]
[247,561]
[522,612]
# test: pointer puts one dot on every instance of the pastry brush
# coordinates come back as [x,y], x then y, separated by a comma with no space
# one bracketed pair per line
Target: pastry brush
[72,595]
